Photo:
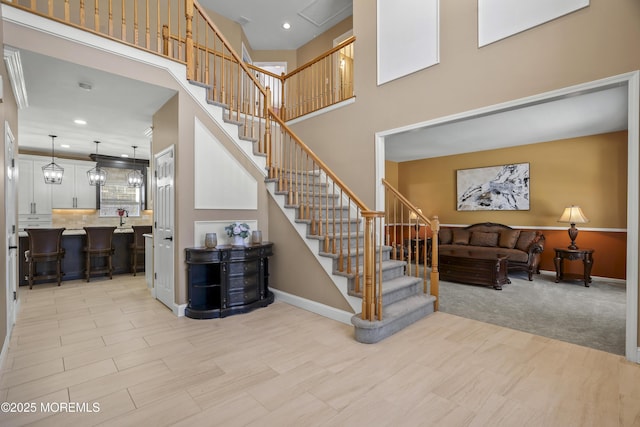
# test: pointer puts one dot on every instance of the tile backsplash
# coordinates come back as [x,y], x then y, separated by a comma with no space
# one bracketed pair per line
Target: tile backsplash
[78,218]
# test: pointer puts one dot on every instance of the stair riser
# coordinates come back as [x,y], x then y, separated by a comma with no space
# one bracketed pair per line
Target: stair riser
[330,213]
[359,257]
[400,294]
[387,274]
[322,228]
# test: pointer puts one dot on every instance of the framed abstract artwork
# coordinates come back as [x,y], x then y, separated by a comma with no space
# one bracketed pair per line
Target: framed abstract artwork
[494,188]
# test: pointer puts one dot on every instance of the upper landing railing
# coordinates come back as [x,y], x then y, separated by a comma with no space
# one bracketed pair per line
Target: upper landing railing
[181,30]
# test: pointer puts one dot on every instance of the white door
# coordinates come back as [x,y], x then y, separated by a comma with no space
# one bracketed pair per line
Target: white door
[163,233]
[11,226]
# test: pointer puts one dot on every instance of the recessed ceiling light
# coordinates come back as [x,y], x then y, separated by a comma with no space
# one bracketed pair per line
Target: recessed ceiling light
[80,122]
[85,86]
[124,155]
[65,146]
[286,26]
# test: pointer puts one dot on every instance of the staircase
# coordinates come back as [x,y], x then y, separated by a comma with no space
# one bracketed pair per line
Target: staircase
[403,298]
[329,218]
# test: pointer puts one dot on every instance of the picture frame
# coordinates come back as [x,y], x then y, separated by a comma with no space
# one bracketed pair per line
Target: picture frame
[493,188]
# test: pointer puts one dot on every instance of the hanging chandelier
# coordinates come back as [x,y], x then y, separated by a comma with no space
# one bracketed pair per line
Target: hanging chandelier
[97,176]
[52,172]
[134,178]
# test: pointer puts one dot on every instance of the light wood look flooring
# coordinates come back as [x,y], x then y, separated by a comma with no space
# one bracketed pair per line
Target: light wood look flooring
[108,342]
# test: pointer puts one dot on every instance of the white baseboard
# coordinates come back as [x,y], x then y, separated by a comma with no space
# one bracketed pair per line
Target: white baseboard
[179,309]
[314,307]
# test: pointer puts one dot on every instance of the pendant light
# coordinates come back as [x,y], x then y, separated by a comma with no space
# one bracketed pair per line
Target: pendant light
[97,176]
[134,178]
[52,172]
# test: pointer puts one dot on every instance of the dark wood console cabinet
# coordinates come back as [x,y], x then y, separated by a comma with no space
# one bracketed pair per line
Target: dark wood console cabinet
[227,280]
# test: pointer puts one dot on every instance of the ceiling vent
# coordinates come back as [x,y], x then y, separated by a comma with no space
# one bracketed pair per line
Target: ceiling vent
[322,11]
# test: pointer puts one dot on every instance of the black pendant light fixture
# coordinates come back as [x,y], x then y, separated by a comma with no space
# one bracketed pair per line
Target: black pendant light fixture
[97,176]
[52,172]
[135,178]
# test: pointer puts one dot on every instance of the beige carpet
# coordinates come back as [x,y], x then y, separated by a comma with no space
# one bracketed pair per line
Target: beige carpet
[568,311]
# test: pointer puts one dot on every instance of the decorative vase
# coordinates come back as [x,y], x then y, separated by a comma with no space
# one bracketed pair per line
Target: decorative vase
[238,241]
[210,240]
[256,237]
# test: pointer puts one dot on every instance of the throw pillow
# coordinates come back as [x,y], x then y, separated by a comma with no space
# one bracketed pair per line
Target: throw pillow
[525,240]
[444,236]
[480,238]
[461,237]
[508,238]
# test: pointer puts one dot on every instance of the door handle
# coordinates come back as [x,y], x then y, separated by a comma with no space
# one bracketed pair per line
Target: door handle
[169,238]
[12,247]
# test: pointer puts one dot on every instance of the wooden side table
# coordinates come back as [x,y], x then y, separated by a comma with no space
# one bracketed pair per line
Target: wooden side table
[586,255]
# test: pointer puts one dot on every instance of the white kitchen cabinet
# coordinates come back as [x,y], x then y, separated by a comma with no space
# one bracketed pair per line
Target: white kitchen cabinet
[75,191]
[34,197]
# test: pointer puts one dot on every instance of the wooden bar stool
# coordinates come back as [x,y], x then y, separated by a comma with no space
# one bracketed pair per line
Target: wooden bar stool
[99,245]
[45,245]
[137,247]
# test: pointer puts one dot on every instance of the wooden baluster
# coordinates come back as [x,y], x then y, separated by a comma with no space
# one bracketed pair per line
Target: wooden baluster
[282,103]
[379,281]
[335,219]
[267,133]
[123,28]
[34,6]
[159,41]
[349,270]
[67,11]
[135,23]
[340,243]
[191,70]
[111,18]
[82,14]
[326,213]
[96,15]
[147,32]
[165,41]
[435,274]
[51,9]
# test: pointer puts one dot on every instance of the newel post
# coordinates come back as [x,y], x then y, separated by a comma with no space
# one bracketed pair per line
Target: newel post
[188,13]
[435,275]
[369,269]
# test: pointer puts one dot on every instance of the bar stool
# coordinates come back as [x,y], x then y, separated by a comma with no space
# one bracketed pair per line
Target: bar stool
[45,245]
[137,247]
[99,245]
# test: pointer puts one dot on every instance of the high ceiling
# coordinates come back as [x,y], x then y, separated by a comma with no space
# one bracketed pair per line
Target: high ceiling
[262,20]
[119,110]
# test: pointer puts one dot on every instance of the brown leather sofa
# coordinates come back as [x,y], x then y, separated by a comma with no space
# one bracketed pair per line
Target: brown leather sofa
[523,247]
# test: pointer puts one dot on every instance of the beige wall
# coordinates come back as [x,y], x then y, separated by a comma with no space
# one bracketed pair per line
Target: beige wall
[323,42]
[573,49]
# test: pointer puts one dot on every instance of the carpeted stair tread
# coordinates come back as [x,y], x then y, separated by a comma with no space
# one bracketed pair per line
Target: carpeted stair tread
[395,317]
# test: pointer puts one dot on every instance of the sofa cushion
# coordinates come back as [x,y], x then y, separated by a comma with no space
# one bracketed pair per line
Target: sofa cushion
[460,237]
[525,240]
[445,236]
[508,238]
[480,238]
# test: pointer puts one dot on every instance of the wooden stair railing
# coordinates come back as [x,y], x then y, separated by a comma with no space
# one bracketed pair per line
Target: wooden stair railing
[403,222]
[338,214]
[324,81]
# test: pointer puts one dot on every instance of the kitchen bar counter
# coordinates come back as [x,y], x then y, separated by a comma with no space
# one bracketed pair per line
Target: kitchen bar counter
[73,241]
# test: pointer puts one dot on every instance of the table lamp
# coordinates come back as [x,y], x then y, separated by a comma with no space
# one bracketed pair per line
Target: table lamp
[573,215]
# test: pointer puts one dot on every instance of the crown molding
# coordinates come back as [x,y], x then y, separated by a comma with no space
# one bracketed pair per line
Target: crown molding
[16,76]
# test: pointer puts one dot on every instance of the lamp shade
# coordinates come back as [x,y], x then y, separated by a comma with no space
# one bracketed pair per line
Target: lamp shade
[573,215]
